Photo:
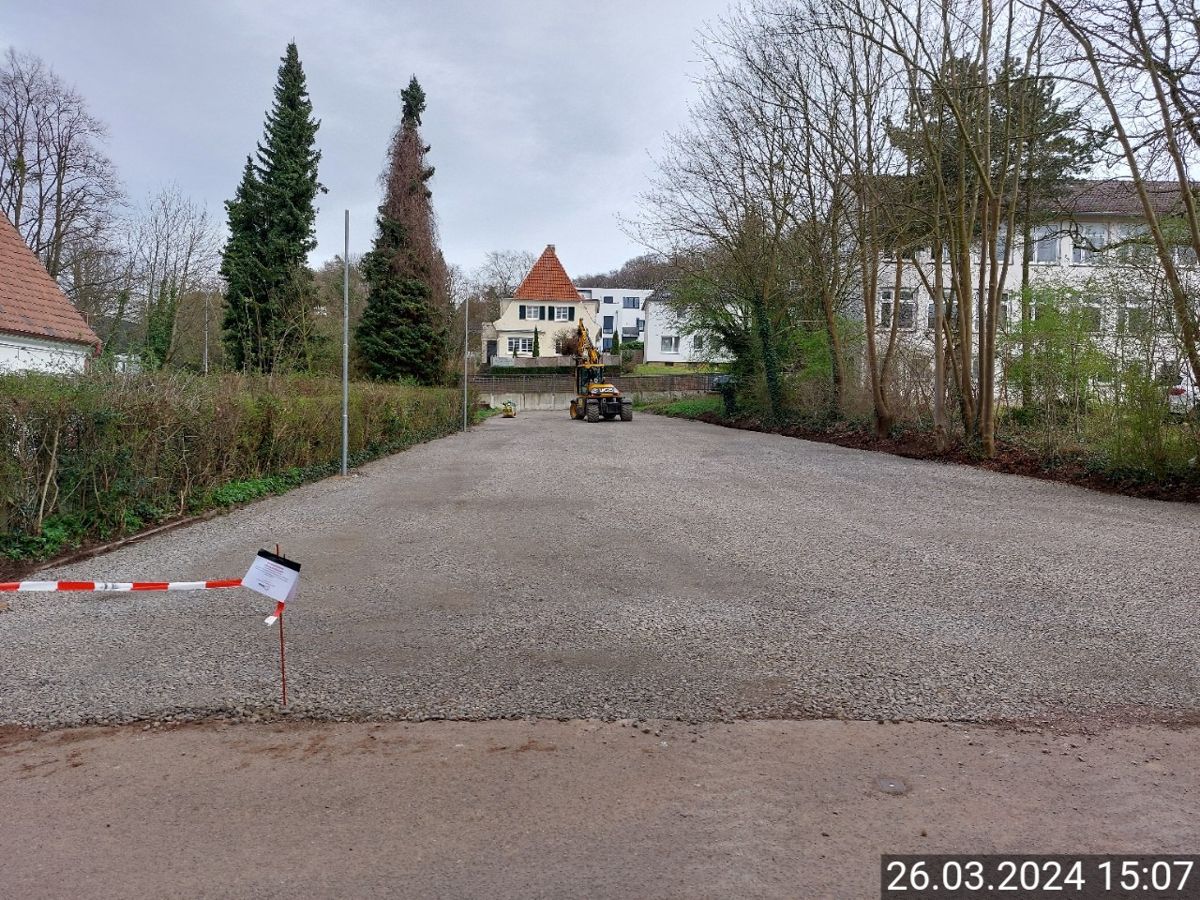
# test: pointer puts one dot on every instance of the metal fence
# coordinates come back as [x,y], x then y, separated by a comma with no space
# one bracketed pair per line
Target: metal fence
[628,384]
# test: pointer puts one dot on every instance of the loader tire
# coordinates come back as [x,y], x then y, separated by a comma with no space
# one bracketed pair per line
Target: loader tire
[593,412]
[626,412]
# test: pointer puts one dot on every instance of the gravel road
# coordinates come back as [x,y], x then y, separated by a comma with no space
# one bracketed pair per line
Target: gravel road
[662,569]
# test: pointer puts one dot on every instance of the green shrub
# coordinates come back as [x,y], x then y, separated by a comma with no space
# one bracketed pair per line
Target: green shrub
[105,454]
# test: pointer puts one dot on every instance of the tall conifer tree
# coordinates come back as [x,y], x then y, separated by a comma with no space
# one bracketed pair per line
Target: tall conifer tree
[272,219]
[403,331]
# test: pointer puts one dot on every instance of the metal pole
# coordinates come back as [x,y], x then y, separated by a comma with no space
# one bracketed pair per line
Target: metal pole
[346,351]
[466,350]
[206,299]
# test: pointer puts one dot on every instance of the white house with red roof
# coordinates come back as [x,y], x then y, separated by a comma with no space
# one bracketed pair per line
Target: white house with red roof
[546,302]
[40,329]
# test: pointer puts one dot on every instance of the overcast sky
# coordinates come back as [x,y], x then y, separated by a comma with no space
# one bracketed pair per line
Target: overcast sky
[543,116]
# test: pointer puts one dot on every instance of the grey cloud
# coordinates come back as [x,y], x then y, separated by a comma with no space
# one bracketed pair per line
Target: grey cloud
[541,114]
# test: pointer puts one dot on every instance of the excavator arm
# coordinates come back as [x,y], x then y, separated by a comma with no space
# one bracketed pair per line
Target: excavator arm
[586,353]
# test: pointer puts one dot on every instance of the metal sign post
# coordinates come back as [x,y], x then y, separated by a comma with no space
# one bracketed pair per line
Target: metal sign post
[345,351]
[466,351]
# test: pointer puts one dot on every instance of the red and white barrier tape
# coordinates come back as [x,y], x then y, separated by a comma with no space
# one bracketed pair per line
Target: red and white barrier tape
[118,586]
[126,586]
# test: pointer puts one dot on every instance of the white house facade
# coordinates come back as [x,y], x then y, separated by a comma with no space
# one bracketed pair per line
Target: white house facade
[621,312]
[24,353]
[671,338]
[1090,253]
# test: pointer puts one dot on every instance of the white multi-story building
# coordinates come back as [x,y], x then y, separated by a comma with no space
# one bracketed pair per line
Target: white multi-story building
[1091,251]
[620,311]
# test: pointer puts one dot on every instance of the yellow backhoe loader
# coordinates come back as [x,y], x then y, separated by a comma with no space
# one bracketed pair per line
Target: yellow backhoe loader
[595,398]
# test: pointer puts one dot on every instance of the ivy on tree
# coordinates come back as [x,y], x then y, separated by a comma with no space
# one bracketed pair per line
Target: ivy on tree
[272,221]
[403,332]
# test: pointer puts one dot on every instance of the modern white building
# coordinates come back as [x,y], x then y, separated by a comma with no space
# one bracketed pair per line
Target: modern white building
[621,312]
[545,303]
[40,329]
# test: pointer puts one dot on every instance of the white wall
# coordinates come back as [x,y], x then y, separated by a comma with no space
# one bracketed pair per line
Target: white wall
[662,322]
[26,354]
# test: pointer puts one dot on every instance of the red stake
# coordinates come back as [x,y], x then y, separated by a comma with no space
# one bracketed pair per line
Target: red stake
[282,660]
[282,652]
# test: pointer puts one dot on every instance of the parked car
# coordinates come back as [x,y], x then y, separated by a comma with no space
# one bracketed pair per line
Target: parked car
[718,384]
[1183,399]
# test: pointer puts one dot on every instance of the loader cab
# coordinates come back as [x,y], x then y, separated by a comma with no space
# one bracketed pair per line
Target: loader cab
[585,375]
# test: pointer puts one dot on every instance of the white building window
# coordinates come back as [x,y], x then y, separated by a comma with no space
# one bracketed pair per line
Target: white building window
[1087,244]
[949,309]
[1045,246]
[697,342]
[520,345]
[562,314]
[608,298]
[531,312]
[1132,320]
[907,309]
[670,343]
[631,302]
[1135,245]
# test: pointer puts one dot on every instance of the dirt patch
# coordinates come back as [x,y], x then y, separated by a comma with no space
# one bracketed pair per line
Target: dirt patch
[1010,459]
[755,809]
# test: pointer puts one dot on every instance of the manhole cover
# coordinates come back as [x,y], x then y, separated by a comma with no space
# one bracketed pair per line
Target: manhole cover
[892,785]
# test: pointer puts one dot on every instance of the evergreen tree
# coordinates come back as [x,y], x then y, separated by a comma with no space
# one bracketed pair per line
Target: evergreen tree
[616,343]
[537,345]
[271,227]
[241,265]
[403,331]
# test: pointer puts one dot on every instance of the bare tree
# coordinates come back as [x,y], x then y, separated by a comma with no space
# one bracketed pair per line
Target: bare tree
[172,248]
[1141,61]
[56,184]
[967,135]
[501,273]
[723,207]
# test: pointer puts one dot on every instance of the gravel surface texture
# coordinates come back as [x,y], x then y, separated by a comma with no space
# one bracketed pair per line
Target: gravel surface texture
[661,568]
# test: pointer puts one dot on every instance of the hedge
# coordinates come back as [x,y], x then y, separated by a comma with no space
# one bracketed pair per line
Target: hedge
[98,456]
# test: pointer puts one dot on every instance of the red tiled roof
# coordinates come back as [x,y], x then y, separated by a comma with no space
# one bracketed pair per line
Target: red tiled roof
[547,280]
[1117,197]
[30,302]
